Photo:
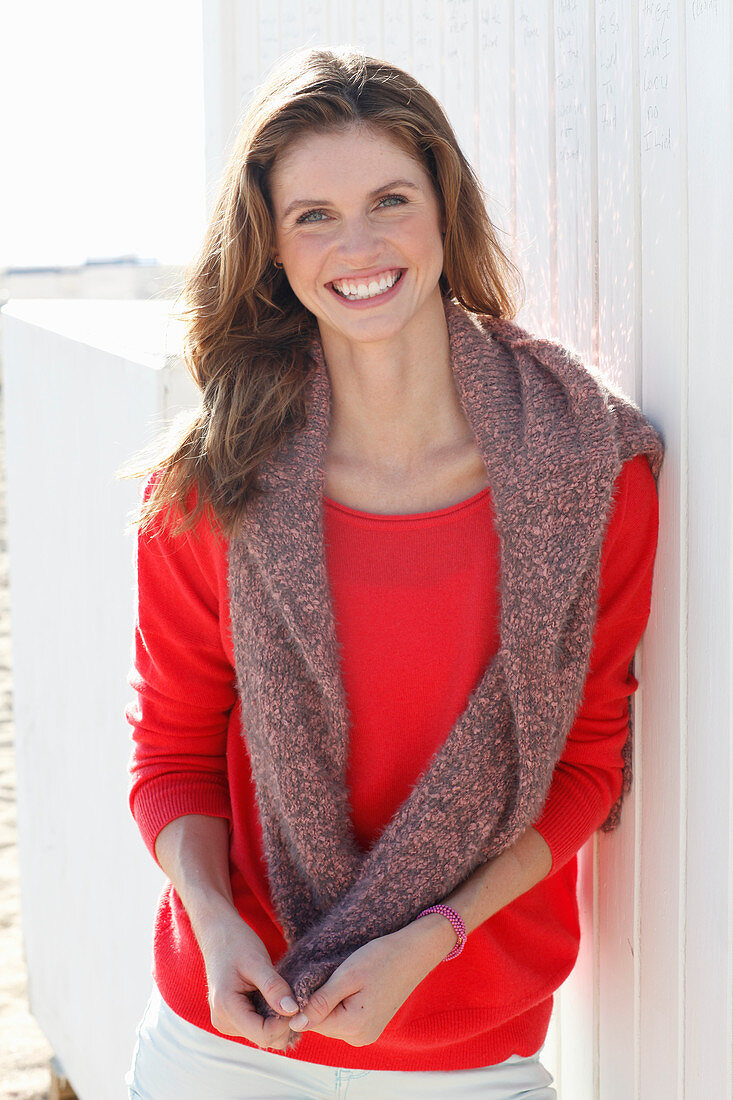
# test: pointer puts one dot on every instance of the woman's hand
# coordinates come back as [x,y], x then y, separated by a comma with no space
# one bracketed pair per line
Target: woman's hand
[193,851]
[366,990]
[237,962]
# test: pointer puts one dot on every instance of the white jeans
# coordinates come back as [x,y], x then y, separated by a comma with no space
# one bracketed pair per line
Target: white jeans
[175,1060]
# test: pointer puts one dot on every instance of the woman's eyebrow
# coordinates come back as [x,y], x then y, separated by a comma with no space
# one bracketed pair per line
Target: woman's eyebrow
[324,202]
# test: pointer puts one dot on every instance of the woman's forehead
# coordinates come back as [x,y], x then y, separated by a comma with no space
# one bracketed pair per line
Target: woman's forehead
[311,145]
[369,160]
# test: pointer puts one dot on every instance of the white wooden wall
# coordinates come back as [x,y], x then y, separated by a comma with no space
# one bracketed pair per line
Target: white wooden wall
[85,384]
[602,130]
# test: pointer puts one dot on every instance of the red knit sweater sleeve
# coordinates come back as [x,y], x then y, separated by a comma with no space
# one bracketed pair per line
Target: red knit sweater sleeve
[588,777]
[184,683]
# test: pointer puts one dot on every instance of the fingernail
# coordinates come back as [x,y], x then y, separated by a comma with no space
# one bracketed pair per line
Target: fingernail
[300,1022]
[288,1004]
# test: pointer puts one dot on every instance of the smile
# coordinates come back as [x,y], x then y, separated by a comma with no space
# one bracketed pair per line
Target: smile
[358,292]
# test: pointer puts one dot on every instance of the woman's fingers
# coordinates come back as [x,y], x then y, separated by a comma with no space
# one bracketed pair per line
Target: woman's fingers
[275,1033]
[232,1013]
[343,982]
[274,989]
[237,964]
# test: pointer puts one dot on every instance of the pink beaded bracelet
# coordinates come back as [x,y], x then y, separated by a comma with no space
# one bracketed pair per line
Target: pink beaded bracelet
[458,927]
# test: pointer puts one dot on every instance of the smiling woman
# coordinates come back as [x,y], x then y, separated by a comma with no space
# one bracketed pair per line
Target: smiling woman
[400,236]
[285,228]
[359,746]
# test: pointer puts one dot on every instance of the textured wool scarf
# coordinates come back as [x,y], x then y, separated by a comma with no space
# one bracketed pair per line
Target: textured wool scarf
[553,436]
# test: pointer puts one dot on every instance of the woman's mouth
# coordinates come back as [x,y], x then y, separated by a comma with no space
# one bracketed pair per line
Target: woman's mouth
[367,293]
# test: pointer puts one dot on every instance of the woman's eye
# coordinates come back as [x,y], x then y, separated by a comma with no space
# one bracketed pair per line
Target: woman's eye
[400,198]
[304,219]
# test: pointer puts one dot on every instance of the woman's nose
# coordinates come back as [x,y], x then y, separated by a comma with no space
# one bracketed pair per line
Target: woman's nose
[359,238]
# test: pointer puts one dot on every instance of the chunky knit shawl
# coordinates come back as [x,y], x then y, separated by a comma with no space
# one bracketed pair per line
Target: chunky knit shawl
[554,436]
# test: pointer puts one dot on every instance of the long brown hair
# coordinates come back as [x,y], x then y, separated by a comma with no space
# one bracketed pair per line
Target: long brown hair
[245,332]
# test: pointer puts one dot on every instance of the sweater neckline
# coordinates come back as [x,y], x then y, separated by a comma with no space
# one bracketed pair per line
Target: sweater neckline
[378,517]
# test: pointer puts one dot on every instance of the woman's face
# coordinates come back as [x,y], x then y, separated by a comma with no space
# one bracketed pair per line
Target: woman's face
[354,206]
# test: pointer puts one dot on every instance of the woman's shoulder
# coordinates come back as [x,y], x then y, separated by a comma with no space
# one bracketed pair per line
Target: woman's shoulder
[198,547]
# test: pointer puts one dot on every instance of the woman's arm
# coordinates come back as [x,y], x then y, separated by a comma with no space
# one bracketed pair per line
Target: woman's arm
[193,851]
[179,792]
[182,679]
[487,890]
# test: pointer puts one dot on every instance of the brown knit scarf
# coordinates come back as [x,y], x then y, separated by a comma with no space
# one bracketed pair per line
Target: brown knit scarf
[553,436]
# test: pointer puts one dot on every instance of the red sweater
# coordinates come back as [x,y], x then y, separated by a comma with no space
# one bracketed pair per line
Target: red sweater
[416,606]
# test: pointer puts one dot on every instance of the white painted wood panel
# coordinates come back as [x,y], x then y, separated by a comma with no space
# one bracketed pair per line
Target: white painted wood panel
[575,173]
[368,30]
[341,28]
[534,197]
[708,991]
[601,131]
[460,72]
[268,29]
[618,291]
[315,22]
[396,43]
[572,167]
[662,793]
[291,25]
[495,114]
[75,409]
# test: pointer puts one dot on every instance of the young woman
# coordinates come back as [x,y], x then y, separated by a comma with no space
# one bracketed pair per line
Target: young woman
[391,577]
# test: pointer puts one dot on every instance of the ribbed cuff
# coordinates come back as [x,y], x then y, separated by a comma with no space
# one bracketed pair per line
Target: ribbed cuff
[574,809]
[162,800]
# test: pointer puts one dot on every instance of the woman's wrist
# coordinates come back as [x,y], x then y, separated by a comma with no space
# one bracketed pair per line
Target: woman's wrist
[432,934]
[457,923]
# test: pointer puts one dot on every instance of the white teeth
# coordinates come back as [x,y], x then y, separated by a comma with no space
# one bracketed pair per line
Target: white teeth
[361,290]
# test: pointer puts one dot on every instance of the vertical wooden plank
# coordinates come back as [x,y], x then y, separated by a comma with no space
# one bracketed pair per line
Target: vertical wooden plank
[290,25]
[617,184]
[575,223]
[459,72]
[268,31]
[663,328]
[617,189]
[576,193]
[315,22]
[535,184]
[495,114]
[341,26]
[574,1005]
[427,46]
[707,77]
[397,45]
[368,25]
[573,1016]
